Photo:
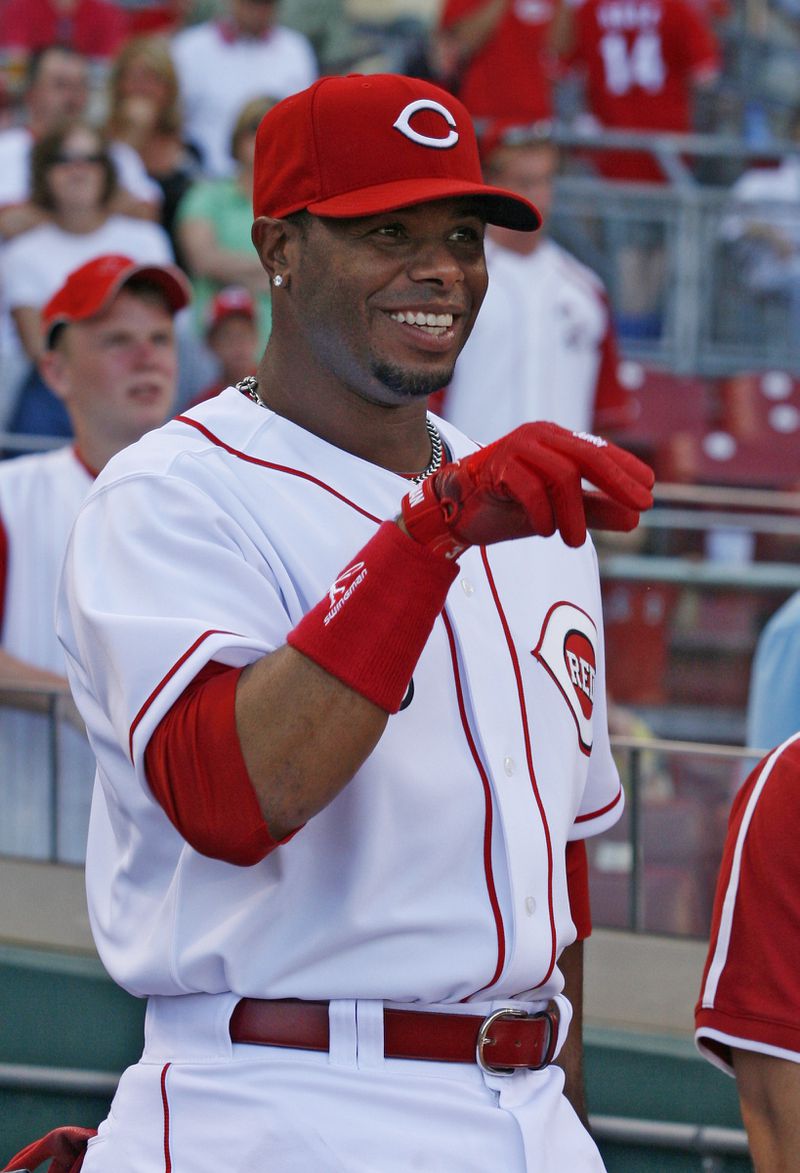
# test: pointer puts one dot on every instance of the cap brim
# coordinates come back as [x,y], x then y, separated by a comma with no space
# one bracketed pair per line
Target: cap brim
[169,278]
[172,281]
[502,207]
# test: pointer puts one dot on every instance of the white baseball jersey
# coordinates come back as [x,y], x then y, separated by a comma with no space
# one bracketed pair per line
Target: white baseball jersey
[437,874]
[536,350]
[39,498]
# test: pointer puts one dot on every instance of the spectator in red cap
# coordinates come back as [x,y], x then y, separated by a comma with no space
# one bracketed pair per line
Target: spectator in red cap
[318,844]
[232,337]
[109,356]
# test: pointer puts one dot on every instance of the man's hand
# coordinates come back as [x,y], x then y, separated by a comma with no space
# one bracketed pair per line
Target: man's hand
[529,482]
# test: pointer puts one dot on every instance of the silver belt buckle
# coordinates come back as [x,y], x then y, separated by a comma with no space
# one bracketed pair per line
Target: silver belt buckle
[483,1040]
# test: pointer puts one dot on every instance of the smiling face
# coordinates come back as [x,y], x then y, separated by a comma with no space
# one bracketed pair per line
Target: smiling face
[383,304]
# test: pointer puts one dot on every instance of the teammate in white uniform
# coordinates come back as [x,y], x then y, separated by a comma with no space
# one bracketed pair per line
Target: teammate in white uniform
[330,817]
[113,364]
[544,346]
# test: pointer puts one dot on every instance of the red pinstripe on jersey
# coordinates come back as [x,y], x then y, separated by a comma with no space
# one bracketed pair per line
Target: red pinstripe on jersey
[165,680]
[602,810]
[165,1107]
[487,826]
[295,472]
[529,760]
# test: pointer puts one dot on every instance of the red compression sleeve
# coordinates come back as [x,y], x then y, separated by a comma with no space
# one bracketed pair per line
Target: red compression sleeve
[578,888]
[370,628]
[196,771]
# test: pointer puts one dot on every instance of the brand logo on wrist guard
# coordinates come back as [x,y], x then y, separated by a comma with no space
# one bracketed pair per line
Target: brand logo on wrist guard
[342,588]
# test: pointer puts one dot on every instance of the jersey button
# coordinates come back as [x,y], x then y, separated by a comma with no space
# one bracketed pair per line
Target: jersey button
[467,587]
[510,766]
[530,905]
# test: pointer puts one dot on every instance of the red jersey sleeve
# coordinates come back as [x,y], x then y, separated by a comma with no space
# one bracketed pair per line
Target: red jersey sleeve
[196,771]
[614,406]
[750,993]
[578,888]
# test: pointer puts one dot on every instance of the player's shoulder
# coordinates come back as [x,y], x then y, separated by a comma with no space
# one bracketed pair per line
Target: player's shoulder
[27,481]
[283,36]
[457,443]
[772,790]
[204,32]
[15,141]
[28,244]
[223,426]
[36,464]
[570,268]
[784,624]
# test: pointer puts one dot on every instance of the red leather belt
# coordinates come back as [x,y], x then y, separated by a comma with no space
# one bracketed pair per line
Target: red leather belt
[506,1040]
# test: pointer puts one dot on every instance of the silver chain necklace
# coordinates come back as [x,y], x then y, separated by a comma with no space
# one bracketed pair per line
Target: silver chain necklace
[249,387]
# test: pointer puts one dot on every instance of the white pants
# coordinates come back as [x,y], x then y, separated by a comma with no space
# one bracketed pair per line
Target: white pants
[196,1103]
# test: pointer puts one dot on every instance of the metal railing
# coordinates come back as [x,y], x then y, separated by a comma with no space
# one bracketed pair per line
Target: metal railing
[704,317]
[693,869]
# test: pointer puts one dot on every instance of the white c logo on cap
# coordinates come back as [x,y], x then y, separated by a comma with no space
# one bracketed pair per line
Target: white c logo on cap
[403,124]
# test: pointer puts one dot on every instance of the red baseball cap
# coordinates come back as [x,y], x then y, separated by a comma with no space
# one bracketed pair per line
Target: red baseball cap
[232,300]
[91,288]
[370,143]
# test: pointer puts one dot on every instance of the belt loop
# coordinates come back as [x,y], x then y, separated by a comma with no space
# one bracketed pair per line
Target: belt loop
[564,1020]
[369,1020]
[343,1046]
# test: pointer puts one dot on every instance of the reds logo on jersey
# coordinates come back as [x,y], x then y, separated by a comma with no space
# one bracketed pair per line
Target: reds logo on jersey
[567,650]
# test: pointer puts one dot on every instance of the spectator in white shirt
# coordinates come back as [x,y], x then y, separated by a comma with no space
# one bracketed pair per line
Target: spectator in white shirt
[222,63]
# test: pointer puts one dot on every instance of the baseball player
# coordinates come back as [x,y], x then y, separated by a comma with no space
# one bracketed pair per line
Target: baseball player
[343,674]
[110,358]
[747,1019]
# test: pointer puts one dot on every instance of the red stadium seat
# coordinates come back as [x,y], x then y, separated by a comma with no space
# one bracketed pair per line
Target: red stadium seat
[636,621]
[753,404]
[769,460]
[664,402]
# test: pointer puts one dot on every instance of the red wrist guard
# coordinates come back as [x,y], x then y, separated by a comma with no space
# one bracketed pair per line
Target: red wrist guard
[370,628]
[425,518]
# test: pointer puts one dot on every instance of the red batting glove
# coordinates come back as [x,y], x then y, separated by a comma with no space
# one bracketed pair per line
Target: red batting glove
[529,482]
